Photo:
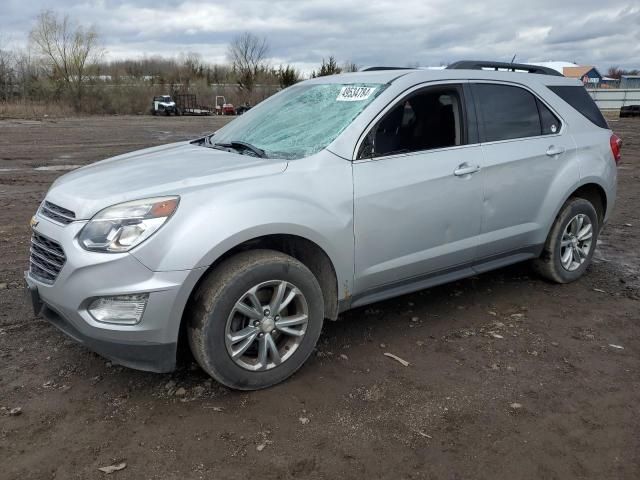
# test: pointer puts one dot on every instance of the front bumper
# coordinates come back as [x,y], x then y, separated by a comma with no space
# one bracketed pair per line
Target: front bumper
[149,345]
[153,357]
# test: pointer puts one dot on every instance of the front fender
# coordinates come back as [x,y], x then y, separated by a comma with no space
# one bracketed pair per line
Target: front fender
[312,203]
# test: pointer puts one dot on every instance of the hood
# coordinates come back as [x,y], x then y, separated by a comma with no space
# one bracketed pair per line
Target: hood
[170,169]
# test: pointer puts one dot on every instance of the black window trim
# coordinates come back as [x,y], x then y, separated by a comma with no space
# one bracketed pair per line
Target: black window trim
[535,94]
[469,122]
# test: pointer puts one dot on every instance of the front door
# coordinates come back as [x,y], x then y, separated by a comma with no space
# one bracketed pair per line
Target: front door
[417,193]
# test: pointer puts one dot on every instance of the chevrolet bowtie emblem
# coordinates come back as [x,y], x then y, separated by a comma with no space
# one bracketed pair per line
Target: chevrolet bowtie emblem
[34,222]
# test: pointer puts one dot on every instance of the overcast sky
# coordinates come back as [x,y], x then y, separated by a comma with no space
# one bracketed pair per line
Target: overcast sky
[367,32]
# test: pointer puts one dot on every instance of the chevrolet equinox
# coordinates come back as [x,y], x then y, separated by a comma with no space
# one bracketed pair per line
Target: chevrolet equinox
[334,193]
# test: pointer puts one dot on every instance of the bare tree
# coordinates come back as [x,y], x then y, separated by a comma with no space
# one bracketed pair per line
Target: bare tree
[614,72]
[218,73]
[193,64]
[69,50]
[7,72]
[350,67]
[26,72]
[247,53]
[617,72]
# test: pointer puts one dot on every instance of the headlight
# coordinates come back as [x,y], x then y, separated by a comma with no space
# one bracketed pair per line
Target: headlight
[121,227]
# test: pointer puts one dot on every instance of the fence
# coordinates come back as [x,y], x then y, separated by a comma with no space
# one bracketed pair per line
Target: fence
[613,99]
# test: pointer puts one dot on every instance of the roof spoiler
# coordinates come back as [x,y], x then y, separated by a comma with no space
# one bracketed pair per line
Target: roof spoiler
[512,67]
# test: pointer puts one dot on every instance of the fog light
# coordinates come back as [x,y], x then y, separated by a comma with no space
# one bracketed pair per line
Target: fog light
[121,309]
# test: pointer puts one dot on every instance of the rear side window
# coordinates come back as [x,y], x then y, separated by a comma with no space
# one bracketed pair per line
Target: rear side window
[578,97]
[506,112]
[548,121]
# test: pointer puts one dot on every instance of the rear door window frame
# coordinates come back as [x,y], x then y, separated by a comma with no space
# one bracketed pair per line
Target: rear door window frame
[537,97]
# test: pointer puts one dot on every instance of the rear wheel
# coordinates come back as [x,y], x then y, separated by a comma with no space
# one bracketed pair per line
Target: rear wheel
[255,319]
[571,242]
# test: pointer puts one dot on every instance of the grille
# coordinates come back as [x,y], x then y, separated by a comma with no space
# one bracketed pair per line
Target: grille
[57,213]
[47,258]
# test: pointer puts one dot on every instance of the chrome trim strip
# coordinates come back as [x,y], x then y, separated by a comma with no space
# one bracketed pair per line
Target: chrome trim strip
[53,274]
[48,250]
[46,260]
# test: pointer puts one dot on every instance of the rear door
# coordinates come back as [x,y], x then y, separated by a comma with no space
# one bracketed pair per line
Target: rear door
[525,147]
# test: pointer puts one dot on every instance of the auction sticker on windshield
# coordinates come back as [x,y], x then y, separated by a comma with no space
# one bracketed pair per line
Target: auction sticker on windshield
[354,94]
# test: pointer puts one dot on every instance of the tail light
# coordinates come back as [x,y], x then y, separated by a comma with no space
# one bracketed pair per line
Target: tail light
[616,147]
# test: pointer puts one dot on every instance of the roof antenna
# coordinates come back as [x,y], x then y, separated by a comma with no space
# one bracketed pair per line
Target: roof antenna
[513,60]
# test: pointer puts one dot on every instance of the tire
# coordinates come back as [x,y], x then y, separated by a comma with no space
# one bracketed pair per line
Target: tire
[214,314]
[552,263]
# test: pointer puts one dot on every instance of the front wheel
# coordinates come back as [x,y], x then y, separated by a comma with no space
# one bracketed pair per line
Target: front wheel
[571,242]
[255,319]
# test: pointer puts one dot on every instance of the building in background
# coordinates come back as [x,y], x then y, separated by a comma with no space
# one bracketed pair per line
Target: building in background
[630,81]
[588,74]
[608,82]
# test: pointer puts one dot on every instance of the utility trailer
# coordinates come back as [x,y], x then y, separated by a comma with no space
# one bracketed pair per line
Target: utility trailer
[187,104]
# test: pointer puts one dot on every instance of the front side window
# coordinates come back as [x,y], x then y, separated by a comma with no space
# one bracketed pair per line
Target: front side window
[506,112]
[429,119]
[301,120]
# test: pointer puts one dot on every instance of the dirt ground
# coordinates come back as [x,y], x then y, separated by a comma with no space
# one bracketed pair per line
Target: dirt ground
[509,377]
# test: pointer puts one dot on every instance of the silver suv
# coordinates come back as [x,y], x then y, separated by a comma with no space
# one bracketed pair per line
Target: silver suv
[335,193]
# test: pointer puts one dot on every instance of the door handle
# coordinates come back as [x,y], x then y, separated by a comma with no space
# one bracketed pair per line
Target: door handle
[465,169]
[553,151]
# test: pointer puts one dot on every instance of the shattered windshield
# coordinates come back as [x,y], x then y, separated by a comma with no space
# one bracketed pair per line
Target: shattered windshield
[301,120]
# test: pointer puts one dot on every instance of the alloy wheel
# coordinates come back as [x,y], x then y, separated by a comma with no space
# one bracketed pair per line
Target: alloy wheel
[266,325]
[576,242]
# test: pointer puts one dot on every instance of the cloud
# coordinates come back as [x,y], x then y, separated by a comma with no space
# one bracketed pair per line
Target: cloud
[383,32]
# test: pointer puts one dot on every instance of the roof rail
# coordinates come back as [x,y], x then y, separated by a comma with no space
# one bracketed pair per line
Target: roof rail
[376,69]
[512,67]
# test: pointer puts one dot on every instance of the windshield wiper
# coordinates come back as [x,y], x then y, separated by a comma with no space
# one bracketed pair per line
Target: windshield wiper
[242,145]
